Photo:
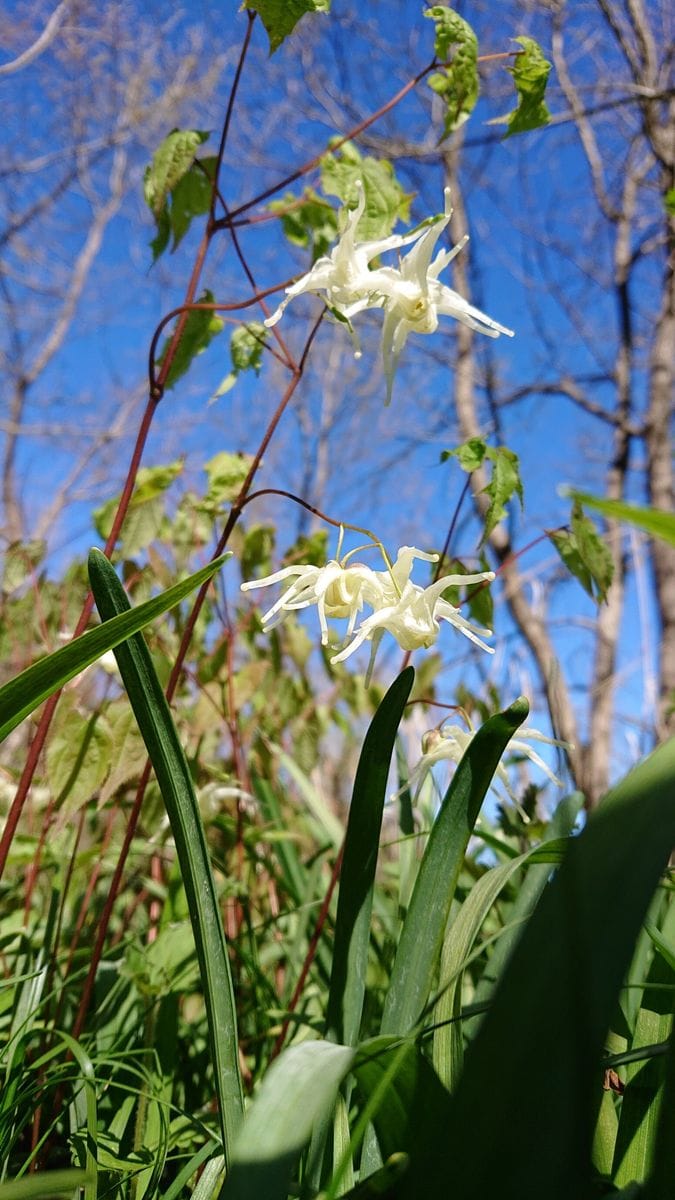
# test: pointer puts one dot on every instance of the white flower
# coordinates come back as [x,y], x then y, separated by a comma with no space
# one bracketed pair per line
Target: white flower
[415,299]
[344,275]
[413,617]
[337,591]
[411,295]
[450,742]
[400,607]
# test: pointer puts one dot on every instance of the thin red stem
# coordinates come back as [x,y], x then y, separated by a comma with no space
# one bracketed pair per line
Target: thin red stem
[311,953]
[314,162]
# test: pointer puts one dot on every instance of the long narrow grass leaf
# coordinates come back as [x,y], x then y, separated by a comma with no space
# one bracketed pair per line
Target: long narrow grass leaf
[44,1185]
[644,1081]
[357,876]
[173,776]
[424,927]
[660,1183]
[298,1091]
[448,1042]
[26,691]
[541,1042]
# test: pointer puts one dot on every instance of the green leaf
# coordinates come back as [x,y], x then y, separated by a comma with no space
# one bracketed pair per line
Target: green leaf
[171,162]
[660,1184]
[546,1028]
[357,875]
[127,752]
[585,554]
[22,694]
[470,455]
[246,347]
[226,473]
[78,759]
[199,330]
[644,1081]
[147,513]
[457,946]
[44,1185]
[308,221]
[175,782]
[505,479]
[504,482]
[423,930]
[297,1093]
[457,83]
[669,202]
[20,561]
[386,201]
[281,16]
[658,524]
[530,73]
[409,1102]
[191,196]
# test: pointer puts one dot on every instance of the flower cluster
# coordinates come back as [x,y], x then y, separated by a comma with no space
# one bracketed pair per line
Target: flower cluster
[341,590]
[449,742]
[411,295]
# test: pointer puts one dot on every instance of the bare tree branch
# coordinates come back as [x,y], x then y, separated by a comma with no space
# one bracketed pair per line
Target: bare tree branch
[40,44]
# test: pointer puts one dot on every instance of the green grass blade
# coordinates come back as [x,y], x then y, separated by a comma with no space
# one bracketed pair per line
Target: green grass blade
[44,1185]
[424,926]
[22,694]
[539,1050]
[660,1184]
[448,1055]
[173,776]
[407,1104]
[658,524]
[298,1091]
[210,1179]
[357,876]
[644,1081]
[560,826]
[190,1168]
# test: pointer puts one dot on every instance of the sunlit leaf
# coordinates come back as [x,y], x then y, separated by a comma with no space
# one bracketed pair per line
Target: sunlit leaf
[457,83]
[308,221]
[530,73]
[504,482]
[386,201]
[652,520]
[226,473]
[469,455]
[200,329]
[585,554]
[171,162]
[281,16]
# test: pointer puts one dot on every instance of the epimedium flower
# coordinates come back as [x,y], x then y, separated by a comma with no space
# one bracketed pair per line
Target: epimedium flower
[344,275]
[414,617]
[411,294]
[336,590]
[449,742]
[341,590]
[414,297]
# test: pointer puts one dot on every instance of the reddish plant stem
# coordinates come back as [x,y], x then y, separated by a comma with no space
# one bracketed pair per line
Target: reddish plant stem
[158,383]
[156,392]
[111,897]
[314,162]
[228,117]
[176,672]
[297,499]
[49,709]
[311,953]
